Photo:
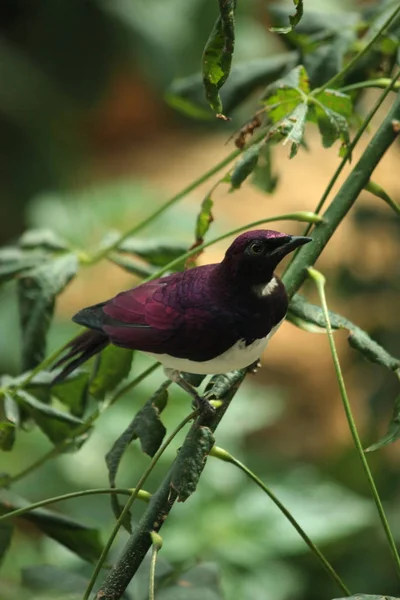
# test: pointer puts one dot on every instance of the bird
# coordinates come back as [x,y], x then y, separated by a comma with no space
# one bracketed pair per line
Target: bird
[209,319]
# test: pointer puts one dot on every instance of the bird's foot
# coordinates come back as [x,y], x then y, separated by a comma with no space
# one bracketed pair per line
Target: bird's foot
[206,409]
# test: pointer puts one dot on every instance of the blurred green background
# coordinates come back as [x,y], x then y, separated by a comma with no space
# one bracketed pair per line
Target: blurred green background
[88,144]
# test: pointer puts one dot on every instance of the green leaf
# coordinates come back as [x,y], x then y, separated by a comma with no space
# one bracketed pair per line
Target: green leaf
[296,80]
[148,428]
[135,267]
[114,365]
[204,219]
[224,386]
[6,531]
[187,94]
[393,432]
[46,239]
[202,582]
[157,253]
[37,290]
[337,101]
[191,461]
[245,165]
[217,55]
[293,19]
[332,126]
[48,579]
[73,392]
[14,261]
[297,119]
[263,176]
[358,339]
[57,425]
[83,541]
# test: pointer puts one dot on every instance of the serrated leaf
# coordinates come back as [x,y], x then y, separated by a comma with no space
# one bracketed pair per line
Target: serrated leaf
[293,19]
[83,541]
[295,134]
[332,126]
[49,579]
[245,165]
[393,432]
[57,425]
[6,531]
[45,239]
[204,219]
[337,101]
[191,461]
[358,339]
[217,55]
[297,80]
[148,428]
[37,290]
[114,365]
[263,176]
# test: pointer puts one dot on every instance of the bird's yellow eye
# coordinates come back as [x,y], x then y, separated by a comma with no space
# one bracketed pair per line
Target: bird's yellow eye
[256,248]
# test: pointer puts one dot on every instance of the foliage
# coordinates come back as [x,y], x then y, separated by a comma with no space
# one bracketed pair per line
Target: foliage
[318,82]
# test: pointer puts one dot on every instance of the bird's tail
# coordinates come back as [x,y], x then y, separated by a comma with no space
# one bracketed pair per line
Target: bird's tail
[80,349]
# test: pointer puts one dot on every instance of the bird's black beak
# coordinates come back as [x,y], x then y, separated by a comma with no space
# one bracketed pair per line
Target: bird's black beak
[290,243]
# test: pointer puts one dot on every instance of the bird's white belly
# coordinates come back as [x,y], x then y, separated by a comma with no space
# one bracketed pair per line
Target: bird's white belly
[237,357]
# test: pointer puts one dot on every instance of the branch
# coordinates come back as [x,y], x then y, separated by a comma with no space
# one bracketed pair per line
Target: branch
[164,498]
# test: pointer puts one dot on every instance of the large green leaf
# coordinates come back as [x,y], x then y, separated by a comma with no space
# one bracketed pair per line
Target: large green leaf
[217,55]
[56,424]
[53,581]
[187,95]
[114,365]
[46,239]
[157,253]
[360,340]
[37,290]
[83,541]
[149,429]
[14,261]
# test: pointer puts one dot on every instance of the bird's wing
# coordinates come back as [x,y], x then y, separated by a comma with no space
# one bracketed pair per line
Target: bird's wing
[158,317]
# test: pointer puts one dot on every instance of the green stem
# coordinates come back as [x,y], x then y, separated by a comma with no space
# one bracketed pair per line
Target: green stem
[153,563]
[339,76]
[225,456]
[319,281]
[131,500]
[356,139]
[381,83]
[195,184]
[142,495]
[344,200]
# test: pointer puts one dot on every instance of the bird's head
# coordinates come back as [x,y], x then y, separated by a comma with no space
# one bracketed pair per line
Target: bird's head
[254,255]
